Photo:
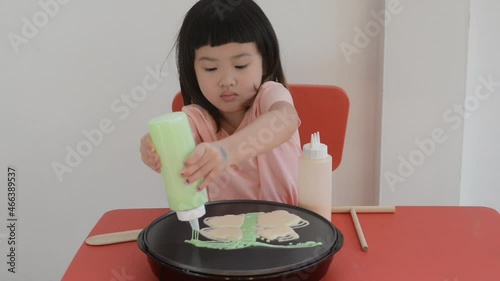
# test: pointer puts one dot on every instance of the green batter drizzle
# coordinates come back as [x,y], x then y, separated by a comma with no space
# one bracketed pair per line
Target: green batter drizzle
[249,238]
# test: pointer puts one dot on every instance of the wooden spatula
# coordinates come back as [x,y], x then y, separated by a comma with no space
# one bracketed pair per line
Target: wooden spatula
[113,238]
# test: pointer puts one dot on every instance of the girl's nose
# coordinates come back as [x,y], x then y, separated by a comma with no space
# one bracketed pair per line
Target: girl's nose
[227,80]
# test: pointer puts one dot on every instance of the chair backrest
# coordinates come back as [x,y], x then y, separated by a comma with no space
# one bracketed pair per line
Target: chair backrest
[321,108]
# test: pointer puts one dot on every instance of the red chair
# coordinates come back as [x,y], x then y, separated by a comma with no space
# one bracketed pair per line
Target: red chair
[321,108]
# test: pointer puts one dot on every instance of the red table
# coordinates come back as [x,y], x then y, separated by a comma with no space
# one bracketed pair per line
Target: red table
[412,244]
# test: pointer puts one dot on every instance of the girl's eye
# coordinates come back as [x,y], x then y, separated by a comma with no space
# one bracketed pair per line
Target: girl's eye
[210,69]
[241,66]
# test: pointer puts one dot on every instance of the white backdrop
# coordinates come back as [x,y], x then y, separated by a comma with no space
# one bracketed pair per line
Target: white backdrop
[424,75]
[481,156]
[440,105]
[80,79]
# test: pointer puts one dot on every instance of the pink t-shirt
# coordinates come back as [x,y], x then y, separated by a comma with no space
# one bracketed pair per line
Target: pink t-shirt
[271,176]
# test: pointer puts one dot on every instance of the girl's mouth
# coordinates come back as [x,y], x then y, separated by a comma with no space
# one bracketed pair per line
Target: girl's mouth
[228,96]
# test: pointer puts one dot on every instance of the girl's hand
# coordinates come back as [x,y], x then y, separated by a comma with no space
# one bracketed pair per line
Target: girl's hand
[206,161]
[148,153]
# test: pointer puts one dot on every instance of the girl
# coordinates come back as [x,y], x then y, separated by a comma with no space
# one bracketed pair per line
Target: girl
[236,98]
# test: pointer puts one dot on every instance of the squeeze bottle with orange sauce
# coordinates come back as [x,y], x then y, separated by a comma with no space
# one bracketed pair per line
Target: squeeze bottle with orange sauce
[315,178]
[174,142]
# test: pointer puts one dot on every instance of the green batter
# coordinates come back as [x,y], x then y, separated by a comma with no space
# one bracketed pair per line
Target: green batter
[249,238]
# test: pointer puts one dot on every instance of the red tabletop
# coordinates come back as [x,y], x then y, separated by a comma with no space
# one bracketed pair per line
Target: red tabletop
[412,244]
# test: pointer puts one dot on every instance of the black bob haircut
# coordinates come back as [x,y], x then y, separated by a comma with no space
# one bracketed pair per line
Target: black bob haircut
[215,23]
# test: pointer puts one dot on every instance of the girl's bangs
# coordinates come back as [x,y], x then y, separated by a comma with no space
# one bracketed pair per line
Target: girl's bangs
[220,29]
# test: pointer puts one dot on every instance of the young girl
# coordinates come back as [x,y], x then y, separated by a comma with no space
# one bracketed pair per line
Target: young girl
[236,98]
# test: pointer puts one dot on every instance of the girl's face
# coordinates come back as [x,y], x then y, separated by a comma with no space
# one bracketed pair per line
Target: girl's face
[229,75]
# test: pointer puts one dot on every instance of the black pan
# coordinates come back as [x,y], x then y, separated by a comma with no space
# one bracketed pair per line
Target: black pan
[171,258]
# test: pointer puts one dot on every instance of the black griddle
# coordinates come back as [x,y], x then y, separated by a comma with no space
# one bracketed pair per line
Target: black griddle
[169,255]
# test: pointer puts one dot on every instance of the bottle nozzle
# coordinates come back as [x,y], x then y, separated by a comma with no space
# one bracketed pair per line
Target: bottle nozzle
[192,216]
[195,225]
[315,140]
[315,149]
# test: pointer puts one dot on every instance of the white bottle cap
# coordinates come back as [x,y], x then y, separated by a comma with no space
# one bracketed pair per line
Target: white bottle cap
[192,214]
[315,149]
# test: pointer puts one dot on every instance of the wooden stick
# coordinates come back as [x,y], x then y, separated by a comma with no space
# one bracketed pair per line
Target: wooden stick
[357,225]
[113,238]
[364,209]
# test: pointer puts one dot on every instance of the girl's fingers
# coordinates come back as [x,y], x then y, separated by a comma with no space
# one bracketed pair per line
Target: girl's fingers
[206,181]
[156,162]
[205,162]
[197,171]
[194,161]
[197,154]
[147,158]
[153,158]
[148,154]
[200,173]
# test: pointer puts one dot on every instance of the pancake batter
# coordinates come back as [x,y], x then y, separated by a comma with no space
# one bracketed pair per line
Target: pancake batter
[241,231]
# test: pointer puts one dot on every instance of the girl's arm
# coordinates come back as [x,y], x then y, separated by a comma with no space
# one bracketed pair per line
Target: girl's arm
[268,131]
[148,153]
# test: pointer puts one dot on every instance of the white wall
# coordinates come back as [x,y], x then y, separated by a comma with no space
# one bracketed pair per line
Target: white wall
[441,79]
[79,72]
[425,71]
[63,81]
[358,68]
[481,150]
[82,67]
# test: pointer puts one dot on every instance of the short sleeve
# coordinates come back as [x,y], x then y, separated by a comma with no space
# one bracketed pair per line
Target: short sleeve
[270,93]
[202,124]
[192,124]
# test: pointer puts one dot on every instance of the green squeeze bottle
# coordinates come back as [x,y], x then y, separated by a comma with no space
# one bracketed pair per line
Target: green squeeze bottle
[173,139]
